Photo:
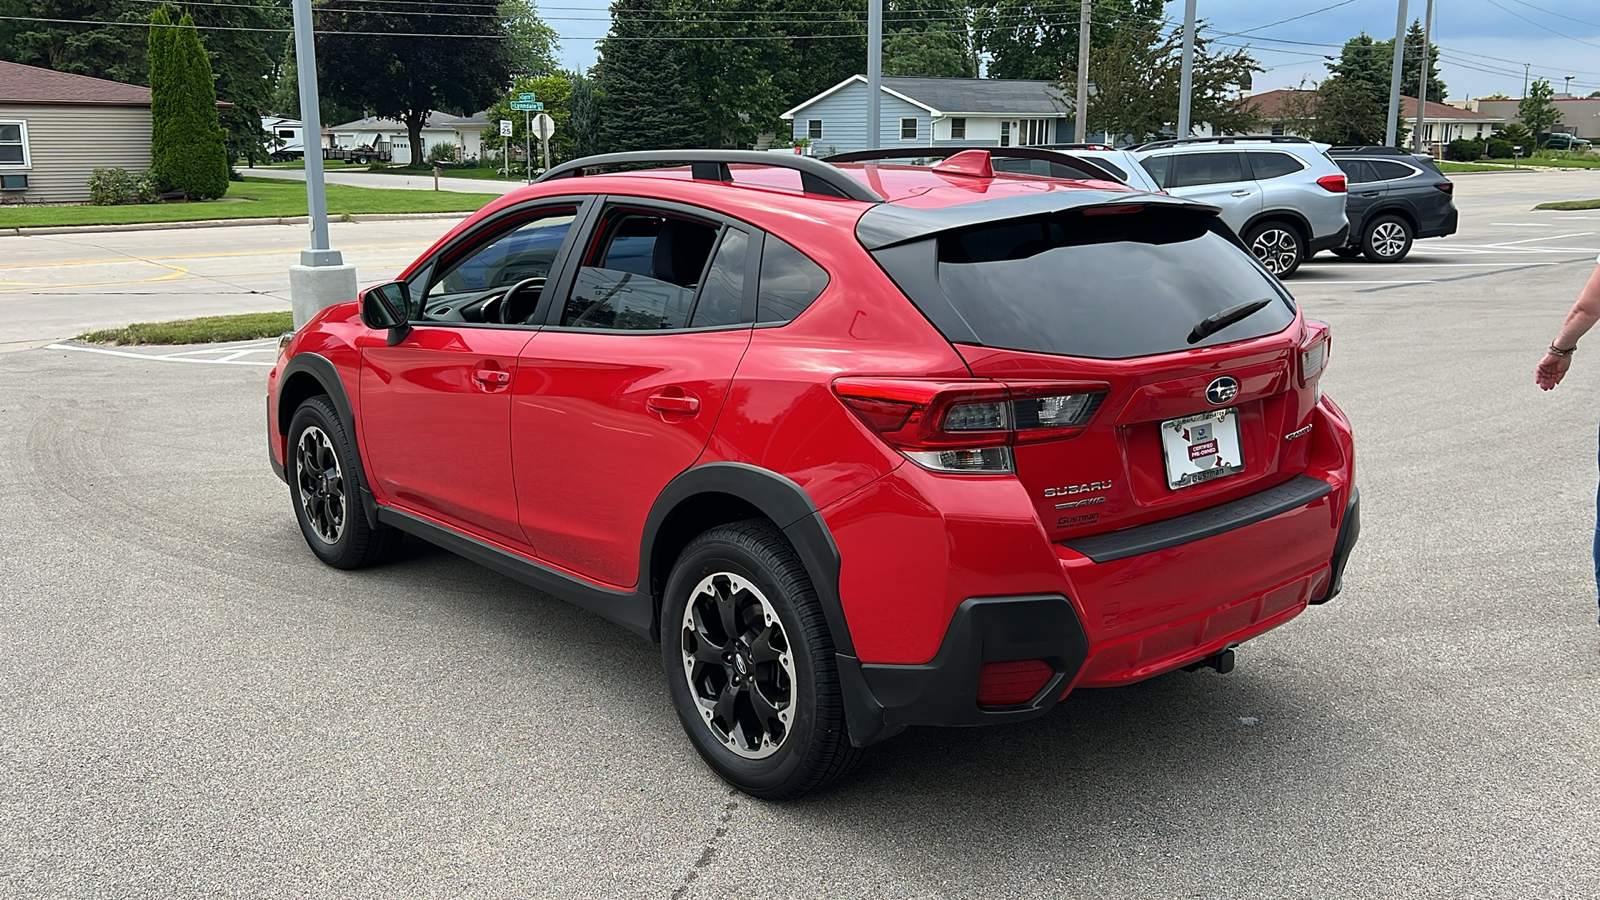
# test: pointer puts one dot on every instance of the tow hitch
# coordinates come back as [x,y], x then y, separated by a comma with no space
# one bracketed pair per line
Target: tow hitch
[1222,662]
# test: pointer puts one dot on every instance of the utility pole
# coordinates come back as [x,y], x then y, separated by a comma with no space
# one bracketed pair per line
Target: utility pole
[1186,79]
[1422,81]
[1525,67]
[874,72]
[1390,133]
[321,279]
[1081,132]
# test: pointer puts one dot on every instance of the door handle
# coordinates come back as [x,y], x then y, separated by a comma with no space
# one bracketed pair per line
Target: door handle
[679,403]
[1369,193]
[1241,193]
[492,377]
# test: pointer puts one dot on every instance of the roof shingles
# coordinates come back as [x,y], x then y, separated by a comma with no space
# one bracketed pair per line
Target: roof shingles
[30,84]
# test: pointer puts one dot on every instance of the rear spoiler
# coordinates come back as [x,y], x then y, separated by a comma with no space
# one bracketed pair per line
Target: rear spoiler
[888,224]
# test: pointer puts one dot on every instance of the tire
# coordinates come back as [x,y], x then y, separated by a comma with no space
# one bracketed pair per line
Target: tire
[326,489]
[750,664]
[1346,252]
[1278,245]
[1386,240]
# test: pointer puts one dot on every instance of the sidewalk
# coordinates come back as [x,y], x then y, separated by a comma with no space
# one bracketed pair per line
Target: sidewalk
[419,182]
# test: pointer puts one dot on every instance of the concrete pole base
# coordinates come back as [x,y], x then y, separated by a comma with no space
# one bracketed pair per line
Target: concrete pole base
[315,288]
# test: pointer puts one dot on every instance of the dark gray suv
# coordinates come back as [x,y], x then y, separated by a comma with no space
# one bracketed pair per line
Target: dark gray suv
[1394,198]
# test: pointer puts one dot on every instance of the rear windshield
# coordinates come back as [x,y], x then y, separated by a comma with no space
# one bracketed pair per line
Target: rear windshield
[1100,286]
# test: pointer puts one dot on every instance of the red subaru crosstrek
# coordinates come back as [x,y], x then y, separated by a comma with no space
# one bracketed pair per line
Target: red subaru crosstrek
[861,446]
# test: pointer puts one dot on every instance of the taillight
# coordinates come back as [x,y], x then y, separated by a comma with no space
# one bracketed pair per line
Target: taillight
[1010,683]
[969,426]
[1314,351]
[1446,186]
[1333,184]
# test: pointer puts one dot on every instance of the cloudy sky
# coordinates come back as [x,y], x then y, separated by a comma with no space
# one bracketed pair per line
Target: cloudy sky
[1483,44]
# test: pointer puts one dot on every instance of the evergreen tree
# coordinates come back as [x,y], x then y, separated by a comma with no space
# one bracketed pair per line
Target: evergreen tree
[187,150]
[640,78]
[108,50]
[1354,100]
[1411,71]
[584,103]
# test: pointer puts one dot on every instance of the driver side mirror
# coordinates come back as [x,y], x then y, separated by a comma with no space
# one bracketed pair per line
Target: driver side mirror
[385,306]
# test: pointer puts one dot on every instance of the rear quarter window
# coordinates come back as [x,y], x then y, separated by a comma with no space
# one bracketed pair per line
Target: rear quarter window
[790,281]
[1274,165]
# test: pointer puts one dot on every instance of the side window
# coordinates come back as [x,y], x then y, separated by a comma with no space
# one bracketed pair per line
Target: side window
[790,281]
[1158,168]
[722,296]
[1190,169]
[641,274]
[1274,165]
[505,258]
[1356,171]
[958,128]
[1390,171]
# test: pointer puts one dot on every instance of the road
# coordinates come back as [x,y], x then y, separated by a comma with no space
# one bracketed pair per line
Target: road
[192,706]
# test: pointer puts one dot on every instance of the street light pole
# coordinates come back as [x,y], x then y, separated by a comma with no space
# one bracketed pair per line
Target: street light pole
[874,72]
[321,279]
[1422,80]
[1186,78]
[1567,88]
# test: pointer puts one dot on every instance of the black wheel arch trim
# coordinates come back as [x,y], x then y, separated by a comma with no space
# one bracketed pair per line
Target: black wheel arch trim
[1349,533]
[1291,217]
[779,499]
[322,370]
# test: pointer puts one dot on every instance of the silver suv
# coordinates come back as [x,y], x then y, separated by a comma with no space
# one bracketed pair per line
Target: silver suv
[1282,195]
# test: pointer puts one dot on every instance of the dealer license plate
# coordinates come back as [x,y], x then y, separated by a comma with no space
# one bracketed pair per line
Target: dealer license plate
[1200,448]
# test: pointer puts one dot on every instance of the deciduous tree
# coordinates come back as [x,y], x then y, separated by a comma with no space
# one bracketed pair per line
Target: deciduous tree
[402,60]
[1137,78]
[1537,112]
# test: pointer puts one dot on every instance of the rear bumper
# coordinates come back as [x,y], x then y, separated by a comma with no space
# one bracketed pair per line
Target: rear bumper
[1328,241]
[1093,640]
[1445,227]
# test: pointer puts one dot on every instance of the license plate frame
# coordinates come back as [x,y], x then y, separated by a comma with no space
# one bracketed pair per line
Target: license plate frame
[1202,447]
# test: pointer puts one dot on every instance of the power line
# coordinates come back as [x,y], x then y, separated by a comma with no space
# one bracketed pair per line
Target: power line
[1545,27]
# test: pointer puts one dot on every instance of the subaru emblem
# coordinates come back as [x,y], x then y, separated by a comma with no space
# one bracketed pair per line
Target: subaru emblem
[1222,390]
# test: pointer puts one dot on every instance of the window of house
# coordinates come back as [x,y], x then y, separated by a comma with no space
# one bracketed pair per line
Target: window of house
[14,144]
[1278,129]
[1033,132]
[1005,134]
[814,129]
[958,129]
[908,129]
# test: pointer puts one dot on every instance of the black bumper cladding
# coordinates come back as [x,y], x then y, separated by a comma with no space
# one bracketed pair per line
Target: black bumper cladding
[1349,532]
[882,700]
[1328,242]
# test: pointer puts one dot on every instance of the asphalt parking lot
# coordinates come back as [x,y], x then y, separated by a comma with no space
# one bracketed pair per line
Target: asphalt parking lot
[191,705]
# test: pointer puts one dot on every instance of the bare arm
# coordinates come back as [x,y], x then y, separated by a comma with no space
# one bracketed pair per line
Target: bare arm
[1582,317]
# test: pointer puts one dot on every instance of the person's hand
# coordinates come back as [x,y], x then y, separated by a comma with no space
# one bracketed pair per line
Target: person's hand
[1551,370]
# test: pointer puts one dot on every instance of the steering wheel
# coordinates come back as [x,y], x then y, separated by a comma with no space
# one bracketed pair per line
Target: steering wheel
[518,302]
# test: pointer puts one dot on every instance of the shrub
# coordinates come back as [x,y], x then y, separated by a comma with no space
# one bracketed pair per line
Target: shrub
[1499,149]
[1464,150]
[117,187]
[444,151]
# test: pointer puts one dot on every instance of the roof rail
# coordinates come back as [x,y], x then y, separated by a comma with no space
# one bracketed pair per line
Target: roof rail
[1087,167]
[1369,150]
[1225,139]
[712,165]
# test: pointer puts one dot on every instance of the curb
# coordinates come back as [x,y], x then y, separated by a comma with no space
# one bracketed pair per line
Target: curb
[219,223]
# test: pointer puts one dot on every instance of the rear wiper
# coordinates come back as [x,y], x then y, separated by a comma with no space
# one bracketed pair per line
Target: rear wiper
[1219,320]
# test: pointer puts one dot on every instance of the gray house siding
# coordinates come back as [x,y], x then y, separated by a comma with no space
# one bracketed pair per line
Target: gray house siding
[67,143]
[844,121]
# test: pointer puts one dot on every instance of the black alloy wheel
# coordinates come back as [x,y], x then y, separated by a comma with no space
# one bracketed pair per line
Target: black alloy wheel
[1278,246]
[749,663]
[326,488]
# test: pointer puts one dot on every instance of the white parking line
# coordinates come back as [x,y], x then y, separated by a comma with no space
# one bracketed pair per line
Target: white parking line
[1553,237]
[227,359]
[1520,224]
[1342,281]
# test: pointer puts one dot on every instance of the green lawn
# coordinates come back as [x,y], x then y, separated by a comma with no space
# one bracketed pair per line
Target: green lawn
[1450,168]
[254,198]
[333,165]
[1569,162]
[1567,204]
[205,330]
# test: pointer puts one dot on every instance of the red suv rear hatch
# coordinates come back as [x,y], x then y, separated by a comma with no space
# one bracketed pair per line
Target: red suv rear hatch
[1133,361]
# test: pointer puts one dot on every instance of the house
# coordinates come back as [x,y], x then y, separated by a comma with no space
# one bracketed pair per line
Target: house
[922,112]
[56,129]
[1579,115]
[387,134]
[1442,123]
